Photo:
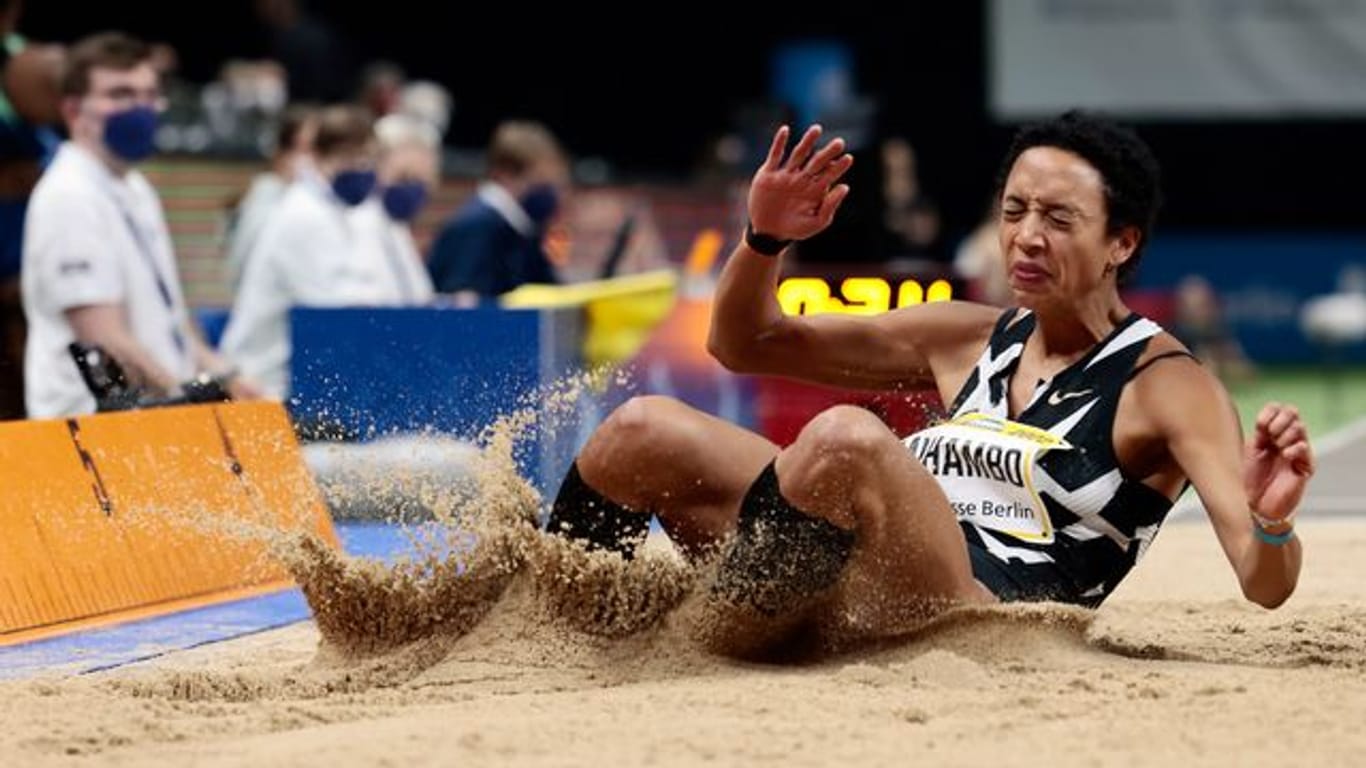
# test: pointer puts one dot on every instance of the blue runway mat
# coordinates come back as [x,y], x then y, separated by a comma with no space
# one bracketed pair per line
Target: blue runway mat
[94,650]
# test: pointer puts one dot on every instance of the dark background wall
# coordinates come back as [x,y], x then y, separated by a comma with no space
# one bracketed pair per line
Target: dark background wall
[647,89]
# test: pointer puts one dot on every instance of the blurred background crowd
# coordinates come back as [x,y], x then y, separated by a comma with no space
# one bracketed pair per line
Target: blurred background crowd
[410,154]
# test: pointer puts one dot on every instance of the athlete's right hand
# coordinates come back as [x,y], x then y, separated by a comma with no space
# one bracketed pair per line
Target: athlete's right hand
[796,198]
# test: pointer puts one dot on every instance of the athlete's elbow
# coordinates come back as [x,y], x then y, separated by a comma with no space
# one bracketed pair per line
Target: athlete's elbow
[1270,602]
[737,362]
[720,351]
[1269,596]
[735,357]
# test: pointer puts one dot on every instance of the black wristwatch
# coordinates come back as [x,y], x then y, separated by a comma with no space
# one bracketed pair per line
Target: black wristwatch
[764,244]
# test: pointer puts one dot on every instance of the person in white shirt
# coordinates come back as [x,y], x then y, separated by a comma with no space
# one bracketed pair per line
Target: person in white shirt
[293,157]
[98,262]
[409,167]
[309,254]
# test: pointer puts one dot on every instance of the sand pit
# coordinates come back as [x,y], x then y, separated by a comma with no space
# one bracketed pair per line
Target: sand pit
[1174,668]
[500,649]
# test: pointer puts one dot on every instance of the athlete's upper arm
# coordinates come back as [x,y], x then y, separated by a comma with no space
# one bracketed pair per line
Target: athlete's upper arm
[906,347]
[1196,418]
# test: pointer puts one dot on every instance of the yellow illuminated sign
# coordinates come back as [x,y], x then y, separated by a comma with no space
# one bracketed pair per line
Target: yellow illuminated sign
[857,295]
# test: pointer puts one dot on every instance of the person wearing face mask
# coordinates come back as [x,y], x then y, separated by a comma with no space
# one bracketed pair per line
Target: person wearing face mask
[309,253]
[98,264]
[293,157]
[495,242]
[409,166]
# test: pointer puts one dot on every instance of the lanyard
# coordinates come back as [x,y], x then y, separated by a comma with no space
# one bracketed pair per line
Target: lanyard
[145,248]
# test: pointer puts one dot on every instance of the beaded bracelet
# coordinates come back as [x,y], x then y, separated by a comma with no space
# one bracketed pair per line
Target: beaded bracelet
[1274,539]
[1272,522]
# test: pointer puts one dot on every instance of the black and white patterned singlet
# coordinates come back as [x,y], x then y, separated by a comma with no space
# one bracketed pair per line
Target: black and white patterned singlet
[1044,506]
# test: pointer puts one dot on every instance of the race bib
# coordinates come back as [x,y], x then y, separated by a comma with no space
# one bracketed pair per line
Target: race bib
[985,465]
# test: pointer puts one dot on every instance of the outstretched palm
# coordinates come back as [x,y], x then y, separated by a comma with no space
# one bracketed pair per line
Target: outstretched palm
[795,198]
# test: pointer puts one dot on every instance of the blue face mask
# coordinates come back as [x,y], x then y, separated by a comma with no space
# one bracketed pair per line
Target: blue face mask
[131,134]
[540,203]
[402,201]
[353,186]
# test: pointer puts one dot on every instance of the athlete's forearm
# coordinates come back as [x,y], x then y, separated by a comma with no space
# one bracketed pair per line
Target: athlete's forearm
[745,308]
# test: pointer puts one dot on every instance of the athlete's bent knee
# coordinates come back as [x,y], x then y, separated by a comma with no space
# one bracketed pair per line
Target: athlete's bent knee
[638,425]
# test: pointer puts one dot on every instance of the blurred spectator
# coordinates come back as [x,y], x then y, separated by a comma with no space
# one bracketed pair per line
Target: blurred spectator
[292,158]
[239,113]
[174,89]
[1200,325]
[409,169]
[381,88]
[615,233]
[1338,319]
[979,261]
[496,241]
[719,165]
[98,264]
[308,254]
[910,219]
[429,101]
[30,104]
[316,63]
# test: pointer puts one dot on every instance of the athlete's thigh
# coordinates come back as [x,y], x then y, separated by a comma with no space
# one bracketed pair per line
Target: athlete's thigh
[721,469]
[690,468]
[911,562]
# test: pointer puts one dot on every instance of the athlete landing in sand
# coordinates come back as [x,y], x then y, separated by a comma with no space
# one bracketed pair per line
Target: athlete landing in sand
[1074,422]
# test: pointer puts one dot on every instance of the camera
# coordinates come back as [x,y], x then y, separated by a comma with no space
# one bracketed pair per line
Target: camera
[106,380]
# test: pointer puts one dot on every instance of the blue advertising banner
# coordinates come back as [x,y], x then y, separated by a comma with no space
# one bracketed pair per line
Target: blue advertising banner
[1262,283]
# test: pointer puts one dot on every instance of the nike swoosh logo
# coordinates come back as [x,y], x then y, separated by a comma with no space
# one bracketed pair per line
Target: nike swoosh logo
[1056,398]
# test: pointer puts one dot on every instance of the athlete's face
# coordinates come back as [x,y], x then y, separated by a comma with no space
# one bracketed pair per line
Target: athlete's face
[1053,229]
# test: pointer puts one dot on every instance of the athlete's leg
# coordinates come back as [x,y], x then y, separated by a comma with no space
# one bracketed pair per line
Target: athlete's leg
[903,555]
[657,455]
[848,468]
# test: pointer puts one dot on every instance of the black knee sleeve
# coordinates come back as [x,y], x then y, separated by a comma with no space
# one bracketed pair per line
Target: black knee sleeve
[583,514]
[779,554]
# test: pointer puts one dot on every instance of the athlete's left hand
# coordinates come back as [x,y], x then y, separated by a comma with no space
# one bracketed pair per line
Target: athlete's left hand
[1277,462]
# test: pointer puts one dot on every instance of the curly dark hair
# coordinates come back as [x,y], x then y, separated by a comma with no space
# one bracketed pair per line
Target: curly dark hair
[1126,165]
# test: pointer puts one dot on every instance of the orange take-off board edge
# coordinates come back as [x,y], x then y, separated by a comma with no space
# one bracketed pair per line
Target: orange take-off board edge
[93,519]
